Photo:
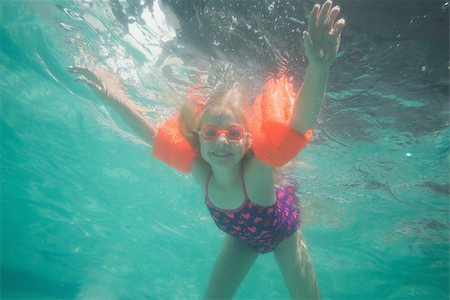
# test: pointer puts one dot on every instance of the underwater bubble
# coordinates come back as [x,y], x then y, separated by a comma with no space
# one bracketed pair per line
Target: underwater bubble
[66,26]
[72,14]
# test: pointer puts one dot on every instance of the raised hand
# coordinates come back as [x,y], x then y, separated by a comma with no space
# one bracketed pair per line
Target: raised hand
[103,83]
[324,34]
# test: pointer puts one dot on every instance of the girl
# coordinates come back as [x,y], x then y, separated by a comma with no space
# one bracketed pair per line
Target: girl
[233,160]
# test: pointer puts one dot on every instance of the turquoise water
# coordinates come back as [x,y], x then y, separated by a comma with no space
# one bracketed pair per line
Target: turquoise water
[87,212]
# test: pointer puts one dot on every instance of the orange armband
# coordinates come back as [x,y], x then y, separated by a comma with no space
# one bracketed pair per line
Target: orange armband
[171,146]
[274,142]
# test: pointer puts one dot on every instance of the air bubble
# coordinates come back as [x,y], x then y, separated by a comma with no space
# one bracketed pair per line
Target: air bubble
[66,26]
[72,14]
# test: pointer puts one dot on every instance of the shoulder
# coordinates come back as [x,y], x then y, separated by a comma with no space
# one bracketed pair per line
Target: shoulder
[259,181]
[200,170]
[253,167]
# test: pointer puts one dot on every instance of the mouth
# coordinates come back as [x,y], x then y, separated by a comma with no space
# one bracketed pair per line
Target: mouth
[221,153]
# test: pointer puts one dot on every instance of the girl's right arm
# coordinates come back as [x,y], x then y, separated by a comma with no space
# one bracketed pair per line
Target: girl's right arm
[111,90]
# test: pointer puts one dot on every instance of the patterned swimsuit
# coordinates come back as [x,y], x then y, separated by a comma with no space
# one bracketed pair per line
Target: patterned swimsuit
[262,228]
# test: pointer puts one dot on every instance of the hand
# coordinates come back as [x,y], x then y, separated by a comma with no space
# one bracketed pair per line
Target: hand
[324,34]
[101,82]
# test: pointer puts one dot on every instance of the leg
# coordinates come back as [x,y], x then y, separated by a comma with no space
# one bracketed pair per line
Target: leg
[295,264]
[230,269]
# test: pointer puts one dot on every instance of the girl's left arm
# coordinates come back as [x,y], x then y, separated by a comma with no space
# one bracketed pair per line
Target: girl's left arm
[321,45]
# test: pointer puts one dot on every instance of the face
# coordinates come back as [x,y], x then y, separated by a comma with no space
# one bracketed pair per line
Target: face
[227,149]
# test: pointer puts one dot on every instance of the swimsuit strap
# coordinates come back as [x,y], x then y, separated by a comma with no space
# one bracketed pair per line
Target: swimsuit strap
[243,184]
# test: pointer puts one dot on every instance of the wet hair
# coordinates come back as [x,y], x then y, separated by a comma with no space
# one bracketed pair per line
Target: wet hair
[233,100]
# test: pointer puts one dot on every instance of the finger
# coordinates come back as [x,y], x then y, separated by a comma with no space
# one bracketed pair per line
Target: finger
[90,83]
[332,17]
[323,14]
[338,27]
[312,23]
[85,72]
[307,42]
[74,69]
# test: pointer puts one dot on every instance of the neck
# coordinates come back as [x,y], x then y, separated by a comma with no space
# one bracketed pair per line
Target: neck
[227,176]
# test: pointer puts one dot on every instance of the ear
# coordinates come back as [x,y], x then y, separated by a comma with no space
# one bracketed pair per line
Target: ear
[248,141]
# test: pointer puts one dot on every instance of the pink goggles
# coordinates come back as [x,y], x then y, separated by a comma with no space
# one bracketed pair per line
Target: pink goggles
[211,132]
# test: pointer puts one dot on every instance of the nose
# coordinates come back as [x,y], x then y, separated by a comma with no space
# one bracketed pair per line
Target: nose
[222,138]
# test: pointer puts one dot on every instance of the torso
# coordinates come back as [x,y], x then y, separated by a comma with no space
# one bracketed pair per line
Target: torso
[261,227]
[258,179]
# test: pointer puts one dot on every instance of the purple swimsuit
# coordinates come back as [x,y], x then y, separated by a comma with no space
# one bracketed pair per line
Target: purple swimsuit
[262,228]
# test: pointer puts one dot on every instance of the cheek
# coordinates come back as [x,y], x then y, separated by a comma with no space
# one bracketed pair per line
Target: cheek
[206,148]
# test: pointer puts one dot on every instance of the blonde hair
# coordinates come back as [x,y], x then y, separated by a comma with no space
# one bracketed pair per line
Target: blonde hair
[217,101]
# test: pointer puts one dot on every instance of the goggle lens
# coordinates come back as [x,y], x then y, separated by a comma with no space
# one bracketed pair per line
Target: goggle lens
[233,132]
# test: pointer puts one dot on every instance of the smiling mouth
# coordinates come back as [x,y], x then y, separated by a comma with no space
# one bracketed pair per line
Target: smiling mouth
[221,153]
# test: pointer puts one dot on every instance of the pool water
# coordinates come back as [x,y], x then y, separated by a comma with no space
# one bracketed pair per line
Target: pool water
[87,213]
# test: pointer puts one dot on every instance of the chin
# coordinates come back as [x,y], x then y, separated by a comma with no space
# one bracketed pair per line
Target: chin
[224,161]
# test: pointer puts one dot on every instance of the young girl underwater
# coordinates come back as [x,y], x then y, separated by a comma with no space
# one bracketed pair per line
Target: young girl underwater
[232,151]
